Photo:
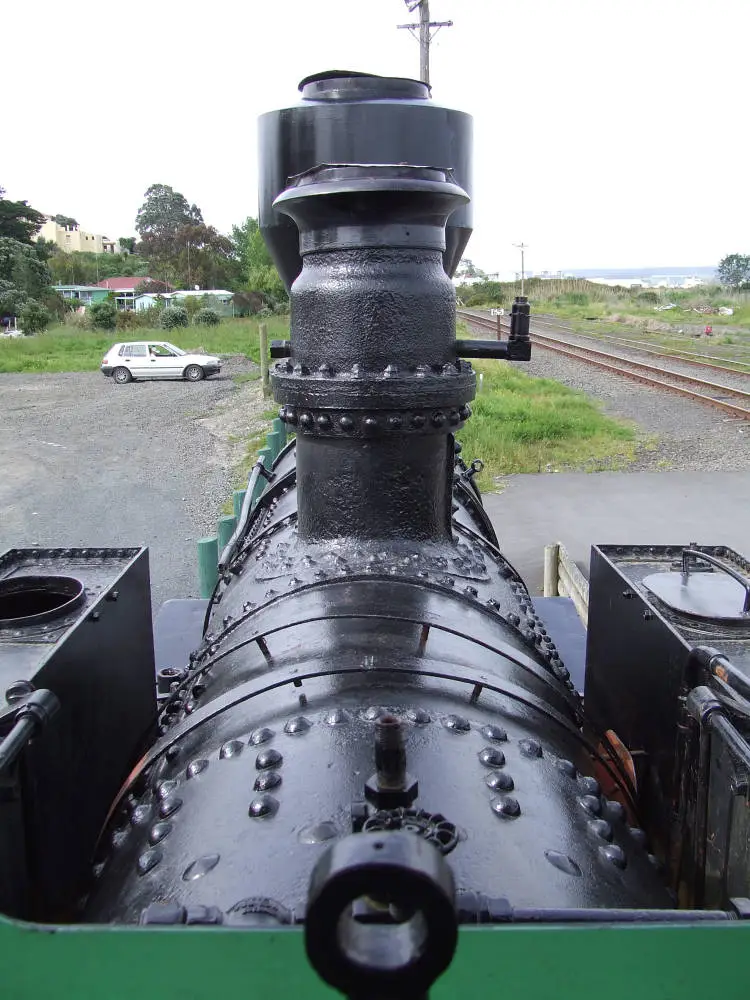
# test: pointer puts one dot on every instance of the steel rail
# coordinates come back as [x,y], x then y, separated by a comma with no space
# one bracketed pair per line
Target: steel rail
[637,371]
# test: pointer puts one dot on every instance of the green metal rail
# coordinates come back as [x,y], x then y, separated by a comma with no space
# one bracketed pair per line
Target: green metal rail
[209,549]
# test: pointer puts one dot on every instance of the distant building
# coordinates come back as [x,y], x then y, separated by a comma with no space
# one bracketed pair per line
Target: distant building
[84,295]
[124,289]
[73,239]
[651,281]
[221,299]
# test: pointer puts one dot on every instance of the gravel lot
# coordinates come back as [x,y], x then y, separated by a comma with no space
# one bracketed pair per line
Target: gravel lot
[689,437]
[85,462]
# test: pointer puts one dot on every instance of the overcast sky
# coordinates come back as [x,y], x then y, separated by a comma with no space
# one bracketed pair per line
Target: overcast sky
[608,133]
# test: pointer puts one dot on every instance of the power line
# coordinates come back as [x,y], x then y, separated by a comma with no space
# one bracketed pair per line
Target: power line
[424,26]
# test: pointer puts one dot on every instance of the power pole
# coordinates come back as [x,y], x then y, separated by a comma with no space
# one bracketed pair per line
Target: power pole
[522,247]
[426,34]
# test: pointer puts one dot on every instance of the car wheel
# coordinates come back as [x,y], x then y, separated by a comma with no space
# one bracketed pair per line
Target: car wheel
[122,376]
[194,373]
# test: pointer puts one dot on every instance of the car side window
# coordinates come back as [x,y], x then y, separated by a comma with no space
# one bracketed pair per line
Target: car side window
[124,351]
[160,351]
[138,351]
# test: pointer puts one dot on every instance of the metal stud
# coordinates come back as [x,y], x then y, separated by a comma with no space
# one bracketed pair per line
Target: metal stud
[567,767]
[394,423]
[170,805]
[418,716]
[500,781]
[298,726]
[601,828]
[370,423]
[506,807]
[614,855]
[159,831]
[457,723]
[232,748]
[263,805]
[588,785]
[492,757]
[140,815]
[323,422]
[337,717]
[615,810]
[590,804]
[374,712]
[266,781]
[638,836]
[165,788]
[200,867]
[149,860]
[530,748]
[563,863]
[268,758]
[418,420]
[346,423]
[496,734]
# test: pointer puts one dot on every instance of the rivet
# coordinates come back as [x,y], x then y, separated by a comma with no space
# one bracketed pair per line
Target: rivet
[492,757]
[346,423]
[149,859]
[465,412]
[567,767]
[268,758]
[615,810]
[507,807]
[118,839]
[563,863]
[306,419]
[200,867]
[457,724]
[266,781]
[325,369]
[438,419]
[588,785]
[370,423]
[638,836]
[471,591]
[394,423]
[172,752]
[232,748]
[318,833]
[500,781]
[374,712]
[165,788]
[600,828]
[453,417]
[291,416]
[418,716]
[417,420]
[590,804]
[140,815]
[298,726]
[159,831]
[263,805]
[323,421]
[614,854]
[496,734]
[170,805]
[654,861]
[530,748]
[337,717]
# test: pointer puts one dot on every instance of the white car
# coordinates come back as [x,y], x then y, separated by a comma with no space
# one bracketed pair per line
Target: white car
[156,359]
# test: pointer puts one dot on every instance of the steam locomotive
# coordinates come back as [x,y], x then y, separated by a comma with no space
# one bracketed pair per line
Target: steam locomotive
[375,747]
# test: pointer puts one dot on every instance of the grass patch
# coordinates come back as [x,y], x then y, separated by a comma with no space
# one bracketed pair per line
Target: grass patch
[253,444]
[67,349]
[524,424]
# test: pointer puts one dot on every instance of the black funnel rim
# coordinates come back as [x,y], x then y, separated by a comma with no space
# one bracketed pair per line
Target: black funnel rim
[345,84]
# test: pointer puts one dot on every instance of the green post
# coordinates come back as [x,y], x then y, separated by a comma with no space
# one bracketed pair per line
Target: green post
[280,427]
[274,442]
[208,561]
[238,498]
[226,527]
[263,337]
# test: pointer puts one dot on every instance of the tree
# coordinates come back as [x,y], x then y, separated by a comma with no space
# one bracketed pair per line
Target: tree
[12,299]
[734,269]
[127,243]
[103,315]
[21,265]
[34,317]
[240,238]
[65,221]
[467,269]
[18,221]
[162,215]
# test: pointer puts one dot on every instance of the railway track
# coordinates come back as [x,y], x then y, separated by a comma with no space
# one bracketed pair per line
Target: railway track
[730,399]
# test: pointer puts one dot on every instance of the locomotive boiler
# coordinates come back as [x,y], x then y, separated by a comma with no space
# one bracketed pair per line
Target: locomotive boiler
[375,746]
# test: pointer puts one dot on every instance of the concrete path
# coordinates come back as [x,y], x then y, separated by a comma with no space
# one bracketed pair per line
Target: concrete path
[581,510]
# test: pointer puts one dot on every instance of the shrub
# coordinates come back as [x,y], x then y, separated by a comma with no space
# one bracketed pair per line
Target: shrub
[577,298]
[34,317]
[103,316]
[206,317]
[650,297]
[173,317]
[127,319]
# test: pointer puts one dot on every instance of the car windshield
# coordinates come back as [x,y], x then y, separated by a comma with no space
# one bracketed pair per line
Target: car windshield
[176,350]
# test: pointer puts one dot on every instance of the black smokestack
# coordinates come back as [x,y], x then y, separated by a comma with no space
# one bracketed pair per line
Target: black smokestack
[373,385]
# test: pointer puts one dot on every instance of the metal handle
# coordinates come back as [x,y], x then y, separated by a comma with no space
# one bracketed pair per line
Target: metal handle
[687,554]
[31,716]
